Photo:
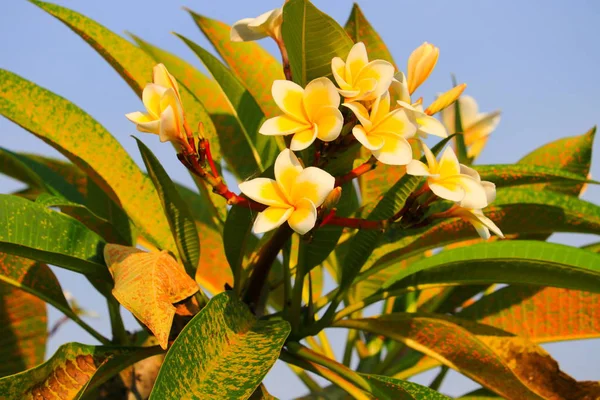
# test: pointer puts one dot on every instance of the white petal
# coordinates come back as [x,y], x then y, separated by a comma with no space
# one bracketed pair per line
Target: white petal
[271,218]
[490,191]
[431,126]
[169,128]
[471,172]
[379,70]
[139,117]
[281,125]
[162,77]
[446,191]
[395,151]
[338,68]
[430,157]
[397,122]
[304,217]
[151,96]
[265,191]
[474,194]
[289,98]
[242,32]
[361,112]
[417,168]
[356,60]
[314,184]
[287,168]
[370,142]
[399,87]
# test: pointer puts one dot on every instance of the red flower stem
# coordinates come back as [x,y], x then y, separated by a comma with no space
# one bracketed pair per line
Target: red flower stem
[209,157]
[328,217]
[367,166]
[357,223]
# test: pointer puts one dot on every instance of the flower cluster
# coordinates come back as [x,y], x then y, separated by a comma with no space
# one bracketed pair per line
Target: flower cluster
[367,99]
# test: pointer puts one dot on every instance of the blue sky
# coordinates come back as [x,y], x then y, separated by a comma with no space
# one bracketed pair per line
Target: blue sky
[537,61]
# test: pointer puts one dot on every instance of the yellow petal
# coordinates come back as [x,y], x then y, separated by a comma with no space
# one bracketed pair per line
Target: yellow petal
[474,194]
[329,123]
[303,217]
[446,189]
[445,99]
[417,168]
[399,88]
[319,93]
[314,184]
[151,96]
[139,117]
[420,64]
[380,108]
[338,68]
[370,142]
[242,32]
[265,191]
[395,150]
[349,94]
[366,90]
[170,130]
[288,97]
[361,113]
[282,125]
[271,218]
[287,168]
[162,77]
[356,60]
[379,70]
[302,139]
[448,165]
[483,127]
[476,148]
[431,161]
[169,99]
[397,122]
[149,127]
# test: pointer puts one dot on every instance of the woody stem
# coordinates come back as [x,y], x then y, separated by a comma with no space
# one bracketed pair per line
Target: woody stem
[367,166]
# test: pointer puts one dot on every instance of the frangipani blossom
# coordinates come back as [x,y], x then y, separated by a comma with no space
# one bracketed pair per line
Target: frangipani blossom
[384,132]
[309,113]
[428,125]
[164,112]
[446,179]
[359,79]
[476,126]
[420,65]
[293,196]
[267,24]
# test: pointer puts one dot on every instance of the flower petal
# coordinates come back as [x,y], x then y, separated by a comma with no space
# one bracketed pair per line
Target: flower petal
[241,31]
[169,129]
[149,127]
[319,93]
[151,96]
[471,172]
[314,184]
[395,150]
[448,165]
[445,99]
[379,70]
[481,223]
[420,64]
[271,218]
[338,68]
[304,217]
[474,193]
[431,126]
[361,112]
[356,60]
[482,128]
[265,191]
[417,168]
[288,97]
[448,190]
[169,99]
[281,125]
[380,108]
[349,94]
[370,142]
[430,157]
[287,168]
[329,123]
[162,77]
[302,139]
[139,117]
[397,122]
[490,191]
[399,88]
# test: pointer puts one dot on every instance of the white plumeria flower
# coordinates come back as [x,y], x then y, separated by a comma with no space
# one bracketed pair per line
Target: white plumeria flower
[420,65]
[309,113]
[164,112]
[476,126]
[428,125]
[293,196]
[446,179]
[267,24]
[384,132]
[359,79]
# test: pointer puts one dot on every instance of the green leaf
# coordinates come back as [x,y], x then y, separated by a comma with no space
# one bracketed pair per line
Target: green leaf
[84,215]
[523,174]
[459,140]
[86,143]
[397,389]
[72,370]
[255,67]
[494,358]
[231,350]
[178,214]
[31,230]
[312,39]
[360,30]
[36,174]
[261,149]
[517,262]
[23,330]
[261,393]
[539,314]
[238,239]
[594,247]
[572,154]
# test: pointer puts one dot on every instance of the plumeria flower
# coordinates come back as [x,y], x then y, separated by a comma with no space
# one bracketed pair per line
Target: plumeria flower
[420,64]
[359,79]
[477,126]
[309,113]
[293,196]
[267,24]
[428,125]
[384,132]
[164,112]
[448,180]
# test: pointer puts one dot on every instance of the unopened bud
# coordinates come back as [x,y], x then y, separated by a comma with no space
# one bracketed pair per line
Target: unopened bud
[446,99]
[420,64]
[332,199]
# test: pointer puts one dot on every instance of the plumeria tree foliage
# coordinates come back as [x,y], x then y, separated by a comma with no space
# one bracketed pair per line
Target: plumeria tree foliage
[328,173]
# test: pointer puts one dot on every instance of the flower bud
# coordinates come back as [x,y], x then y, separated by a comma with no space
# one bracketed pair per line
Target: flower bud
[445,99]
[267,24]
[420,64]
[332,199]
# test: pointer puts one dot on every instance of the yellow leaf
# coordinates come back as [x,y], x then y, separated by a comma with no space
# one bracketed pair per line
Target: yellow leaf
[147,284]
